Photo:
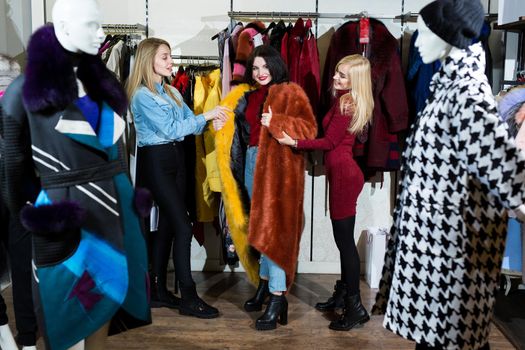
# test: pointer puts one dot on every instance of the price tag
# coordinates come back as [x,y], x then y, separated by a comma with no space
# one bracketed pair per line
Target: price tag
[257,40]
[364,30]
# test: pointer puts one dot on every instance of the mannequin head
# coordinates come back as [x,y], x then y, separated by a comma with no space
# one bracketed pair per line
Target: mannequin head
[430,46]
[447,24]
[78,26]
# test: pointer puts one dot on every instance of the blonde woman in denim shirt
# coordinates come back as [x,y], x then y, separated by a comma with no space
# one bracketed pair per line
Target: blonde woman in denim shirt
[162,120]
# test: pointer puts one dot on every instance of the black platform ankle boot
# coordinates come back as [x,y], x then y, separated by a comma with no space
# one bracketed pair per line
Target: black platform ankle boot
[277,309]
[337,300]
[256,302]
[354,314]
[191,304]
[160,296]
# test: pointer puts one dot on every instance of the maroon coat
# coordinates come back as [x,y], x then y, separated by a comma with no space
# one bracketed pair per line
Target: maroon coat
[344,175]
[299,52]
[391,106]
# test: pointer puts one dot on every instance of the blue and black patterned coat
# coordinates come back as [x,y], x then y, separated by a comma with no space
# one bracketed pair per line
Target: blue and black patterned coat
[89,262]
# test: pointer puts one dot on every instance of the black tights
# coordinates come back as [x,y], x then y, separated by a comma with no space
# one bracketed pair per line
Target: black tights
[162,171]
[350,263]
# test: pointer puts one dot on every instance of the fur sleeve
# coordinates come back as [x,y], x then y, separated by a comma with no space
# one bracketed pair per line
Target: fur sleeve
[291,112]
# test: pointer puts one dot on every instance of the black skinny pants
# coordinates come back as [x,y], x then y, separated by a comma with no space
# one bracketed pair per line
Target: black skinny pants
[350,263]
[19,249]
[161,169]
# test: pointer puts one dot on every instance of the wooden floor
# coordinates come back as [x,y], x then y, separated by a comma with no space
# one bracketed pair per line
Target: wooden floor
[307,328]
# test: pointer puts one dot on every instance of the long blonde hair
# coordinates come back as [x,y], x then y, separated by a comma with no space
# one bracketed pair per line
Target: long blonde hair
[359,100]
[143,73]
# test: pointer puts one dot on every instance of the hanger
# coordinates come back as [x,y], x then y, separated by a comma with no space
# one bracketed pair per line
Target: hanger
[270,26]
[217,35]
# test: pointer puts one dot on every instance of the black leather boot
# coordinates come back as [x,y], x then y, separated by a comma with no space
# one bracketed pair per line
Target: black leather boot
[337,300]
[354,314]
[191,304]
[256,303]
[160,296]
[277,309]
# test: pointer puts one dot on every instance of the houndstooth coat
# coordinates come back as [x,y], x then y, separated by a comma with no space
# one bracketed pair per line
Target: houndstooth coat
[460,172]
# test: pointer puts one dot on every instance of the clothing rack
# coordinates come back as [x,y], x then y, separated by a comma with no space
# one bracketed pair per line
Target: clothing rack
[407,17]
[195,57]
[356,15]
[250,15]
[124,28]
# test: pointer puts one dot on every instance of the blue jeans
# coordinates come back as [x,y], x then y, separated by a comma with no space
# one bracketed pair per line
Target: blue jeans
[273,273]
[268,270]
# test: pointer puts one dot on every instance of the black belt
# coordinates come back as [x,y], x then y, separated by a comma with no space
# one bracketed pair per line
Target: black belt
[81,176]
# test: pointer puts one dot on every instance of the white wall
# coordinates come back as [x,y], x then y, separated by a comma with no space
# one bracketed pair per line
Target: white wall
[189,25]
[15,26]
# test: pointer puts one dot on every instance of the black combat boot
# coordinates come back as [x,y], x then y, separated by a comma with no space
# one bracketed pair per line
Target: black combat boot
[256,302]
[354,314]
[337,300]
[191,304]
[160,295]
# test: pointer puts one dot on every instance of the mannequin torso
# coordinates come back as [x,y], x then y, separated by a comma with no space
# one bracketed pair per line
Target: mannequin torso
[44,119]
[450,218]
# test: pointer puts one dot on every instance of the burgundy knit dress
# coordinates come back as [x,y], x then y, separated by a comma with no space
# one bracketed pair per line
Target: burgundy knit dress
[344,175]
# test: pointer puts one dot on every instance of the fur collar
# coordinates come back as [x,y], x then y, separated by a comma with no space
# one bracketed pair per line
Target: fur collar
[50,81]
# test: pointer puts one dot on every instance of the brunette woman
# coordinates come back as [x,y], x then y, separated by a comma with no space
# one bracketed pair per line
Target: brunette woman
[262,177]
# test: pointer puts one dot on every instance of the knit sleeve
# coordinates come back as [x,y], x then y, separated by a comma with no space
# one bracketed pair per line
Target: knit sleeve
[334,134]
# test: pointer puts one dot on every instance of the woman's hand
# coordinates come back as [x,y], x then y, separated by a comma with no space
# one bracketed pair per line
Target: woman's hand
[219,112]
[266,117]
[218,123]
[520,115]
[287,140]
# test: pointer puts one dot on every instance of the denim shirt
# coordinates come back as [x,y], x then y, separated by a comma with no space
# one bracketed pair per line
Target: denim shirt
[158,118]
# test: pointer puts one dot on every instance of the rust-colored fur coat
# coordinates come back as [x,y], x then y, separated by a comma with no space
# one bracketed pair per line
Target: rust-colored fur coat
[276,212]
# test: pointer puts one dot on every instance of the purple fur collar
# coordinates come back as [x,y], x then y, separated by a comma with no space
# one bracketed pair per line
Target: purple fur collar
[50,82]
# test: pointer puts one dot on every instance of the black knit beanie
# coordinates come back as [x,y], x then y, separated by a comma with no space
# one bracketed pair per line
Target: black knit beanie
[458,22]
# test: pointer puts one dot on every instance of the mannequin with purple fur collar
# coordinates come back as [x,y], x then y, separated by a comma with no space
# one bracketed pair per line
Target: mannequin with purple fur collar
[78,28]
[63,120]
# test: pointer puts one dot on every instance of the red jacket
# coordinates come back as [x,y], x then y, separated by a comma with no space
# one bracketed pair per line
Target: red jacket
[380,151]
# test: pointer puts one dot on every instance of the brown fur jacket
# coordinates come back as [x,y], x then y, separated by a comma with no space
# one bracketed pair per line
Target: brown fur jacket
[276,212]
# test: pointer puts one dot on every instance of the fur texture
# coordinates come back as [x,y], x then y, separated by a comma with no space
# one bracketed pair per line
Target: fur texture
[390,101]
[276,214]
[143,201]
[50,82]
[244,48]
[56,217]
[235,213]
